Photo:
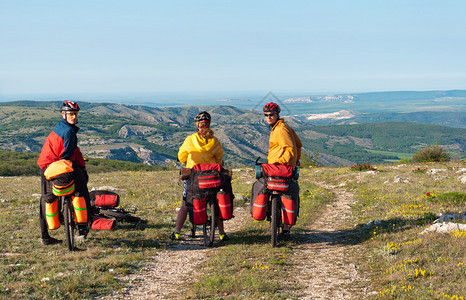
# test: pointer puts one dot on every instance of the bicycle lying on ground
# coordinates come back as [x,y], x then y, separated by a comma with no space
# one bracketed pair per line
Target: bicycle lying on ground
[106,204]
[274,202]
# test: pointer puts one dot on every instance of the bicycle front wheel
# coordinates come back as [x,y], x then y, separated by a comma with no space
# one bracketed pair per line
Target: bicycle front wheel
[275,222]
[70,228]
[209,225]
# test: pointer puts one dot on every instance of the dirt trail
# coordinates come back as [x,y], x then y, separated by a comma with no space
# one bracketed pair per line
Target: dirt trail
[321,266]
[321,261]
[166,276]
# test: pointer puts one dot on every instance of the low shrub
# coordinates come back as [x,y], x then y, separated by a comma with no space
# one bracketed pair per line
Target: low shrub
[431,154]
[363,167]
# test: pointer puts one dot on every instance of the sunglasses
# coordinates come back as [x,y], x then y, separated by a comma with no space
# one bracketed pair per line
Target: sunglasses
[72,114]
[269,115]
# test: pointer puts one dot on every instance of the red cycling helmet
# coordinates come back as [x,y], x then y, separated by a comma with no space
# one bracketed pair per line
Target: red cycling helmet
[271,107]
[69,106]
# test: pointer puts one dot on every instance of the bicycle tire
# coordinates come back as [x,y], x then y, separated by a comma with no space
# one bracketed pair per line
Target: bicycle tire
[193,230]
[275,222]
[121,216]
[68,216]
[209,225]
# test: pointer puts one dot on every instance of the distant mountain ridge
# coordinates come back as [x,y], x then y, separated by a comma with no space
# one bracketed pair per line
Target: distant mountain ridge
[152,135]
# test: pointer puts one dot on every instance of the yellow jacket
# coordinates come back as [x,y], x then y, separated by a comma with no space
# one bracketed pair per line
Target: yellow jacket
[197,150]
[284,146]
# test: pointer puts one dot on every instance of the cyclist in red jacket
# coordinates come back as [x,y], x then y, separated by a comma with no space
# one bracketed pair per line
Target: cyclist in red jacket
[62,143]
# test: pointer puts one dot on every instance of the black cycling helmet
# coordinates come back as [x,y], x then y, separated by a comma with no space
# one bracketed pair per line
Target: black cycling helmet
[203,116]
[271,107]
[69,106]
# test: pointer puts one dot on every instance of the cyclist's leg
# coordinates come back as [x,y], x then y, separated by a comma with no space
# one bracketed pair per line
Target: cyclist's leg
[182,213]
[46,194]
[181,218]
[43,223]
[220,226]
[221,231]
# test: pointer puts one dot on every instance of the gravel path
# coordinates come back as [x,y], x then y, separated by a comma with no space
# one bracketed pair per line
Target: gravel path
[165,277]
[321,265]
[321,261]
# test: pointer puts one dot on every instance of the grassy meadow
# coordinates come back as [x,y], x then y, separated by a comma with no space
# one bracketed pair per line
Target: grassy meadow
[399,261]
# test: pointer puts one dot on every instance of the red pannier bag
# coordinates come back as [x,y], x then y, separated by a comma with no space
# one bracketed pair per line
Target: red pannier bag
[259,208]
[100,223]
[224,205]
[288,211]
[107,199]
[199,210]
[208,175]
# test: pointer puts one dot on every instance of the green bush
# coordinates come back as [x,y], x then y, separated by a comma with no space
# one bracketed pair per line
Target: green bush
[431,154]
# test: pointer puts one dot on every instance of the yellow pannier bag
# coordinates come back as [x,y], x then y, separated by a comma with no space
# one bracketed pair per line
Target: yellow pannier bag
[58,168]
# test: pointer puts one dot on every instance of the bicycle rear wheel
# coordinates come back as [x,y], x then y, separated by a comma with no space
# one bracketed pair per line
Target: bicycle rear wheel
[275,222]
[209,225]
[70,226]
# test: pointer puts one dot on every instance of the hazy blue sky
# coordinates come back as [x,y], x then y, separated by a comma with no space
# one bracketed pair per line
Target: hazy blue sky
[103,46]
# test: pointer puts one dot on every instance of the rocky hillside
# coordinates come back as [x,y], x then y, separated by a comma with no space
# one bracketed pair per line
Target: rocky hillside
[152,135]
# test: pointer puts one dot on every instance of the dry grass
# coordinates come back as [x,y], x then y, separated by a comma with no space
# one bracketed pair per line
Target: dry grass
[399,261]
[402,262]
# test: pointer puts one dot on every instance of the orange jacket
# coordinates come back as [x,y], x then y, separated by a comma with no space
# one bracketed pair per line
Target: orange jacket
[284,146]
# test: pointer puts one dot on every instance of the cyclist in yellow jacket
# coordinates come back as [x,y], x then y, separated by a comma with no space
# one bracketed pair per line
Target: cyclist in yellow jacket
[198,148]
[284,147]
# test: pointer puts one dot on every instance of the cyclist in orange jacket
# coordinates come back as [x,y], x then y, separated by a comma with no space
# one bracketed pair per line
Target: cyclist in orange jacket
[284,147]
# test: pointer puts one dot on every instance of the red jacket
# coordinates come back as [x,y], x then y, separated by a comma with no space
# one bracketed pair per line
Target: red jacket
[62,143]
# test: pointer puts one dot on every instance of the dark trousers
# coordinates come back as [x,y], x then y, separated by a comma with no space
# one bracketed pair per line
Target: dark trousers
[47,195]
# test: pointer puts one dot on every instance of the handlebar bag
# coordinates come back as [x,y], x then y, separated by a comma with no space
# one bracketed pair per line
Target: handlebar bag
[276,170]
[208,175]
[278,176]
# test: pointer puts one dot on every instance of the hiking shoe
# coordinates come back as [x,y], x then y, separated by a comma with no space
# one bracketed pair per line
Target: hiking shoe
[175,236]
[223,237]
[285,235]
[50,241]
[83,230]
